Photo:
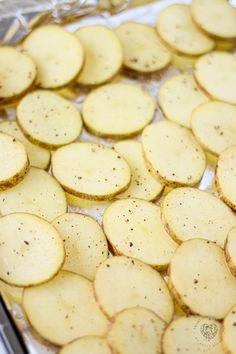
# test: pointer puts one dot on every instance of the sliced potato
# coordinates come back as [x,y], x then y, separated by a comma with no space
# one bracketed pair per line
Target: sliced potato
[48,120]
[11,293]
[178,97]
[229,332]
[84,241]
[218,17]
[83,203]
[191,213]
[183,62]
[172,154]
[39,194]
[103,54]
[57,53]
[134,229]
[91,171]
[230,250]
[225,45]
[143,50]
[117,110]
[176,27]
[200,279]
[31,250]
[216,73]
[87,344]
[136,331]
[70,310]
[143,185]
[122,282]
[193,334]
[38,156]
[13,161]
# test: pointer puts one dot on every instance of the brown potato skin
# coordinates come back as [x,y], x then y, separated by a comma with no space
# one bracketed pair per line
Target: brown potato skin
[17,178]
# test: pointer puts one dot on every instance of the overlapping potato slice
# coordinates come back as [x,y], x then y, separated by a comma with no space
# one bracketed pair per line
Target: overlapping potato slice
[230,250]
[11,293]
[229,332]
[87,344]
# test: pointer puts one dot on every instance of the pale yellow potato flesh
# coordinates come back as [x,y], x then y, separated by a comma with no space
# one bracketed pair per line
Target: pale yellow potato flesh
[182,62]
[11,293]
[87,344]
[83,203]
[230,250]
[229,332]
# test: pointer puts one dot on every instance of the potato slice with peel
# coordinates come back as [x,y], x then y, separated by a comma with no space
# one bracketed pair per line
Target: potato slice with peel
[176,27]
[87,344]
[84,203]
[214,126]
[216,74]
[178,96]
[122,282]
[13,161]
[84,241]
[230,250]
[136,331]
[189,213]
[153,55]
[134,229]
[91,171]
[172,154]
[57,53]
[229,332]
[117,110]
[39,194]
[70,309]
[38,156]
[32,247]
[48,120]
[200,279]
[193,334]
[143,185]
[103,54]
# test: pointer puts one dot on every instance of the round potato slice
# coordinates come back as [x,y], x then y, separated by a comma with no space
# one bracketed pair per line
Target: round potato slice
[200,279]
[90,171]
[172,154]
[178,97]
[218,17]
[103,54]
[32,247]
[216,73]
[39,194]
[84,203]
[143,185]
[38,156]
[87,344]
[117,110]
[48,120]
[134,228]
[136,331]
[152,56]
[229,332]
[84,241]
[176,27]
[193,334]
[226,176]
[69,308]
[11,293]
[122,282]
[183,62]
[13,161]
[57,53]
[230,250]
[191,213]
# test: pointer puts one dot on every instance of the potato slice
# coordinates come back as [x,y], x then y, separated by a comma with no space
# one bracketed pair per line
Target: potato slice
[69,308]
[87,344]
[183,62]
[216,73]
[13,161]
[122,282]
[103,54]
[11,293]
[134,229]
[200,279]
[218,17]
[173,155]
[230,250]
[143,185]
[48,120]
[229,332]
[90,171]
[39,194]
[117,110]
[33,249]
[176,27]
[38,156]
[57,53]
[84,241]
[178,97]
[84,203]
[191,213]
[152,56]
[226,176]
[136,331]
[193,334]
